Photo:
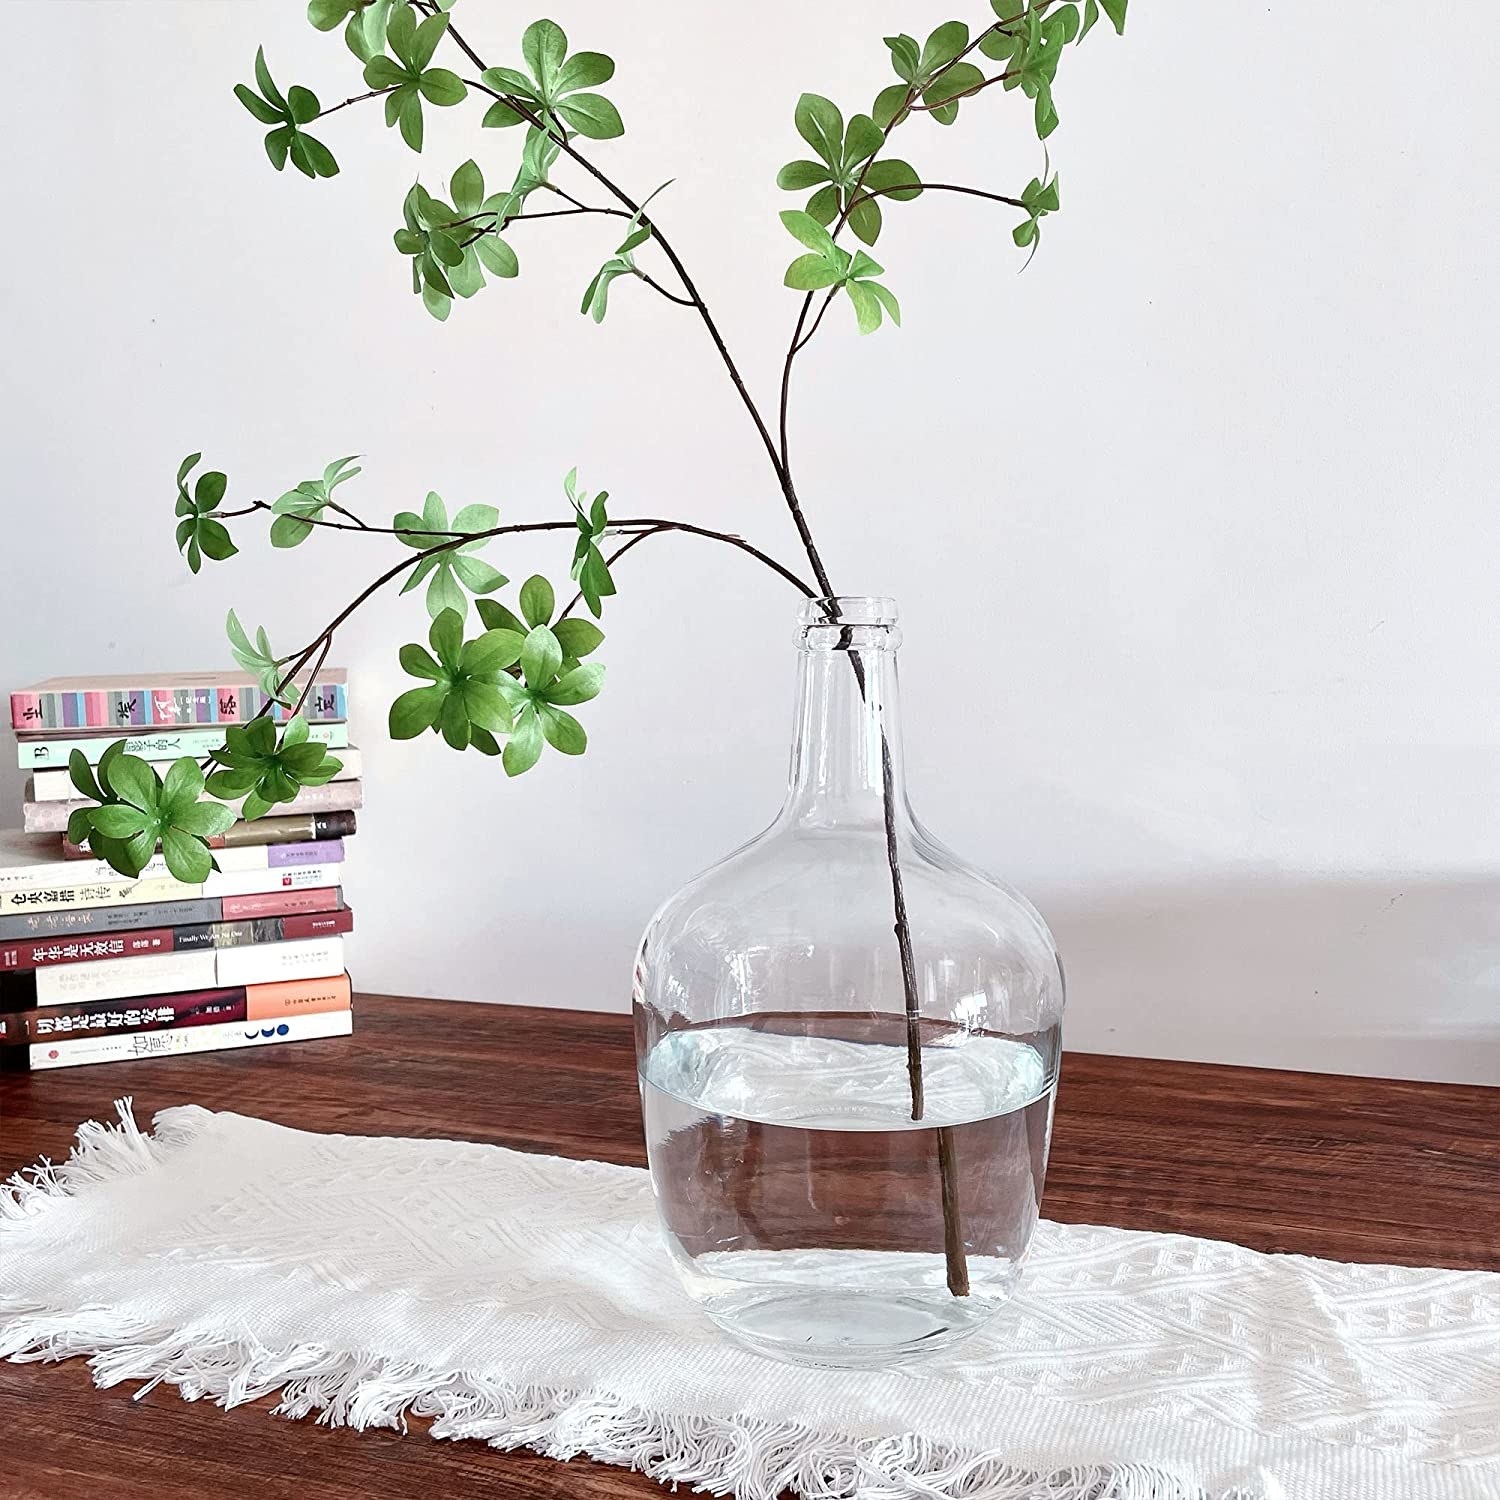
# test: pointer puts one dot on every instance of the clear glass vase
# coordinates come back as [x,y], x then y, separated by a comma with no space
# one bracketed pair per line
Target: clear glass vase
[848,1043]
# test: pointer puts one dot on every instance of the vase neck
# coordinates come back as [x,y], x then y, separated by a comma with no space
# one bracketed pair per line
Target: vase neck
[848,713]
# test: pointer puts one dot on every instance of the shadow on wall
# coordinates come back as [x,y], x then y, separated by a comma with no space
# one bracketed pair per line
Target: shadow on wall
[1387,977]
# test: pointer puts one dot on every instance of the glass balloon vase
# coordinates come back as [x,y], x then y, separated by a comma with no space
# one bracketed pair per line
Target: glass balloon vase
[848,1045]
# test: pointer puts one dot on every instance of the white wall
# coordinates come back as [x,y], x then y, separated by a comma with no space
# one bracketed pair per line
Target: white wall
[1194,525]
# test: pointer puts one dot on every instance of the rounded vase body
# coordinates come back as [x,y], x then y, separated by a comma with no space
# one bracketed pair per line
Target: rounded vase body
[848,1042]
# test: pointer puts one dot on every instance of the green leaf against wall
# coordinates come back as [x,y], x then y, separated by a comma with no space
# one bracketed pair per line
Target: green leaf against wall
[405,70]
[556,89]
[829,265]
[199,533]
[287,113]
[453,574]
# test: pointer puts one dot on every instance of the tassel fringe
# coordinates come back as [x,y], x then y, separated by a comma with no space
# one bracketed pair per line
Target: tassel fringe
[738,1457]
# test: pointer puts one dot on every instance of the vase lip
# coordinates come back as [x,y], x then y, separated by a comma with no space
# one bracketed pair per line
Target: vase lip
[863,610]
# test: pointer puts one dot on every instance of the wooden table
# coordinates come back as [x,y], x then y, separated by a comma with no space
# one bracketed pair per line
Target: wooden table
[1353,1169]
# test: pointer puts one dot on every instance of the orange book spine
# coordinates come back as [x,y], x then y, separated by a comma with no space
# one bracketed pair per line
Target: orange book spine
[296,997]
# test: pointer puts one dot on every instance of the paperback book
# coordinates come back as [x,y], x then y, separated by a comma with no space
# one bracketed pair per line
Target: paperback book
[46,953]
[38,752]
[310,830]
[56,785]
[90,704]
[221,1037]
[65,893]
[333,796]
[73,922]
[256,1002]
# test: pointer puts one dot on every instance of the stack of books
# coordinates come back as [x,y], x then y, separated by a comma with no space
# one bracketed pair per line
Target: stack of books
[96,967]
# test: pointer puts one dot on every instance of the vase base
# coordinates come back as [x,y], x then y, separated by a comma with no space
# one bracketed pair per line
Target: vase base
[847,1329]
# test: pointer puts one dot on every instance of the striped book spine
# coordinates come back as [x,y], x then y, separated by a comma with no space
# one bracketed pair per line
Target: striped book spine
[144,707]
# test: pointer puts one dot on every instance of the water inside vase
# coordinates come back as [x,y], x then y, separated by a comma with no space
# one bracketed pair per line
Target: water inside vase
[802,1201]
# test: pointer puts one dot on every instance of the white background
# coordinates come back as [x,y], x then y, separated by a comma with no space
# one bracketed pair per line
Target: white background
[1194,525]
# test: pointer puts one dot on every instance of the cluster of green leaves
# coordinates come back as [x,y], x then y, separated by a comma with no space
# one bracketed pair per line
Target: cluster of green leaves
[621,263]
[452,246]
[1040,198]
[516,679]
[841,176]
[830,265]
[199,535]
[590,571]
[298,511]
[264,772]
[454,570]
[935,72]
[408,74]
[136,810]
[557,89]
[287,113]
[1032,46]
[259,660]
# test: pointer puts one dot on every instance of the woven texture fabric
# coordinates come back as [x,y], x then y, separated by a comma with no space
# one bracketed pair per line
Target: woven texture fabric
[526,1301]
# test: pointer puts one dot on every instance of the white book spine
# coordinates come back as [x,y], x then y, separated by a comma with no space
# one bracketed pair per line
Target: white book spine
[56,784]
[332,796]
[219,1037]
[197,969]
[270,963]
[48,874]
[259,882]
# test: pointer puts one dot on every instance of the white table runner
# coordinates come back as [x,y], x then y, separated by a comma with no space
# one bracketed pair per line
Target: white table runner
[526,1301]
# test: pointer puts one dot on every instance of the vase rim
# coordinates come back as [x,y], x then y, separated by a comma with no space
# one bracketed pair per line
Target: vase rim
[850,609]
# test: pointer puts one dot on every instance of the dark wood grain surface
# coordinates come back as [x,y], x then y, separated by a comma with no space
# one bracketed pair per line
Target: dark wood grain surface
[1348,1168]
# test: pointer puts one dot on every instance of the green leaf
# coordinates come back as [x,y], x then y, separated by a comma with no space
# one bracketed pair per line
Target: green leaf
[578,638]
[592,115]
[416,711]
[905,56]
[382,73]
[288,531]
[183,785]
[954,83]
[485,706]
[943,46]
[130,778]
[205,819]
[577,686]
[797,175]
[537,600]
[401,33]
[824,205]
[425,42]
[454,721]
[861,141]
[255,806]
[497,617]
[887,299]
[492,652]
[866,306]
[267,114]
[1115,10]
[444,592]
[187,857]
[232,784]
[892,178]
[500,115]
[1090,16]
[116,820]
[524,748]
[438,303]
[1024,233]
[302,104]
[820,123]
[328,15]
[467,187]
[890,107]
[585,70]
[263,81]
[805,228]
[442,87]
[865,220]
[498,258]
[564,733]
[810,273]
[81,774]
[409,116]
[80,827]
[544,45]
[477,576]
[541,656]
[415,661]
[447,638]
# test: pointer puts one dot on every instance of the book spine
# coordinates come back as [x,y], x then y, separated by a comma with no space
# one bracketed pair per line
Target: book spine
[172,972]
[43,953]
[164,706]
[127,893]
[239,906]
[80,921]
[177,1041]
[257,853]
[56,785]
[92,870]
[34,753]
[332,796]
[298,997]
[95,1018]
